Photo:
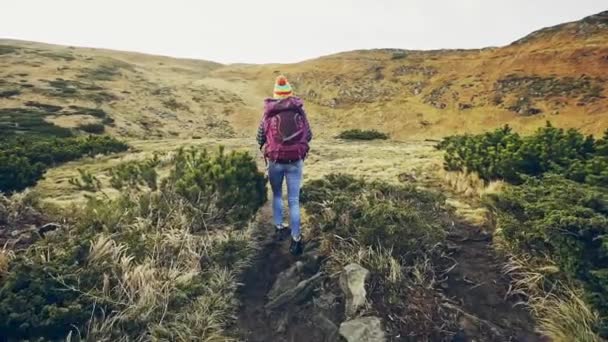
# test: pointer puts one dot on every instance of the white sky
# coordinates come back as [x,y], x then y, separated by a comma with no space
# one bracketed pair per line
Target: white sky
[265,31]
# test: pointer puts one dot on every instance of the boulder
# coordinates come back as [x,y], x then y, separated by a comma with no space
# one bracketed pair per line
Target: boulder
[352,283]
[364,329]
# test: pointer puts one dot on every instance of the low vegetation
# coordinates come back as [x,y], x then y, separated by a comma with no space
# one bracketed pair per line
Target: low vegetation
[504,154]
[357,134]
[93,128]
[563,221]
[23,161]
[552,219]
[155,264]
[395,232]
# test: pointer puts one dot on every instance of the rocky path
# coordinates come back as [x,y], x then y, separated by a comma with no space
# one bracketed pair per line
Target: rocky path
[291,299]
[283,298]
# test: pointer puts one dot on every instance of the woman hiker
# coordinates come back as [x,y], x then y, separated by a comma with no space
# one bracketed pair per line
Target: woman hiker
[286,133]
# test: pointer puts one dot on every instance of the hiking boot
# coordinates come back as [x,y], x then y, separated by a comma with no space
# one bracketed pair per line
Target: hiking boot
[280,232]
[295,248]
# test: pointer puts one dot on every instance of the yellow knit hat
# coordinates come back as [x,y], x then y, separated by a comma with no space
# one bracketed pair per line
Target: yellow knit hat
[282,88]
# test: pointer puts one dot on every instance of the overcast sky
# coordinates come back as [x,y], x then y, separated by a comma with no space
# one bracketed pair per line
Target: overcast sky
[265,31]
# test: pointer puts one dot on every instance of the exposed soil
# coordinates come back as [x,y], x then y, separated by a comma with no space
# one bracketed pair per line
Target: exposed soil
[480,289]
[293,323]
[475,289]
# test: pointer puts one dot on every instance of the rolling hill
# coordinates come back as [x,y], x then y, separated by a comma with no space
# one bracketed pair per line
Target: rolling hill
[557,74]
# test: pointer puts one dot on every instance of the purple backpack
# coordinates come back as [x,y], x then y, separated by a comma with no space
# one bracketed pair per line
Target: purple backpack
[286,130]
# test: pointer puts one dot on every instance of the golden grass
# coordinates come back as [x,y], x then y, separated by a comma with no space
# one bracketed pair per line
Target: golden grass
[469,185]
[142,288]
[372,160]
[561,313]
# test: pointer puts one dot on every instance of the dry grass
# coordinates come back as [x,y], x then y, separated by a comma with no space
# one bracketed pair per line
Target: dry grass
[562,315]
[370,91]
[466,190]
[469,185]
[371,160]
[143,288]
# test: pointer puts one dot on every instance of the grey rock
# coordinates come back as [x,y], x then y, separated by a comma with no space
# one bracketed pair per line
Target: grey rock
[325,301]
[364,329]
[286,280]
[295,294]
[352,283]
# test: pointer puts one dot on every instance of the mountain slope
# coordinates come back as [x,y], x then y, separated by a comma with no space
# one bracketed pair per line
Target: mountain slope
[556,74]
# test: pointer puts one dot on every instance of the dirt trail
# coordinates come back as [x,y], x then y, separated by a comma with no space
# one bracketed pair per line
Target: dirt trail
[478,287]
[475,288]
[294,322]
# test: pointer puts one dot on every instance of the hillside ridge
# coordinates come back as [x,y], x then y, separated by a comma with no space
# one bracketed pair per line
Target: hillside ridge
[556,74]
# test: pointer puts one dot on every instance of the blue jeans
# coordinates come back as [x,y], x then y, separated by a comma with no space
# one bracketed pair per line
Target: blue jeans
[293,174]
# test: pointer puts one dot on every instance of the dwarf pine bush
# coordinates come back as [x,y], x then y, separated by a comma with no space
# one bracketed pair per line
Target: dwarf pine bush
[225,187]
[503,154]
[563,220]
[23,161]
[357,134]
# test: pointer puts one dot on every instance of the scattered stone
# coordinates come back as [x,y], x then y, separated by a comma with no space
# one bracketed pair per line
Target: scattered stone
[296,294]
[364,329]
[352,283]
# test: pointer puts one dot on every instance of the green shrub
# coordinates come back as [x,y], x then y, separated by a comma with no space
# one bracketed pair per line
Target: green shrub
[86,181]
[173,104]
[132,175]
[96,112]
[399,55]
[357,134]
[93,128]
[17,173]
[44,107]
[8,49]
[24,160]
[28,122]
[232,178]
[563,220]
[503,154]
[376,214]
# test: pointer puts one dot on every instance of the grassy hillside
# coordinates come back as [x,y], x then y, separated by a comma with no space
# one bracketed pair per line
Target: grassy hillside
[555,74]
